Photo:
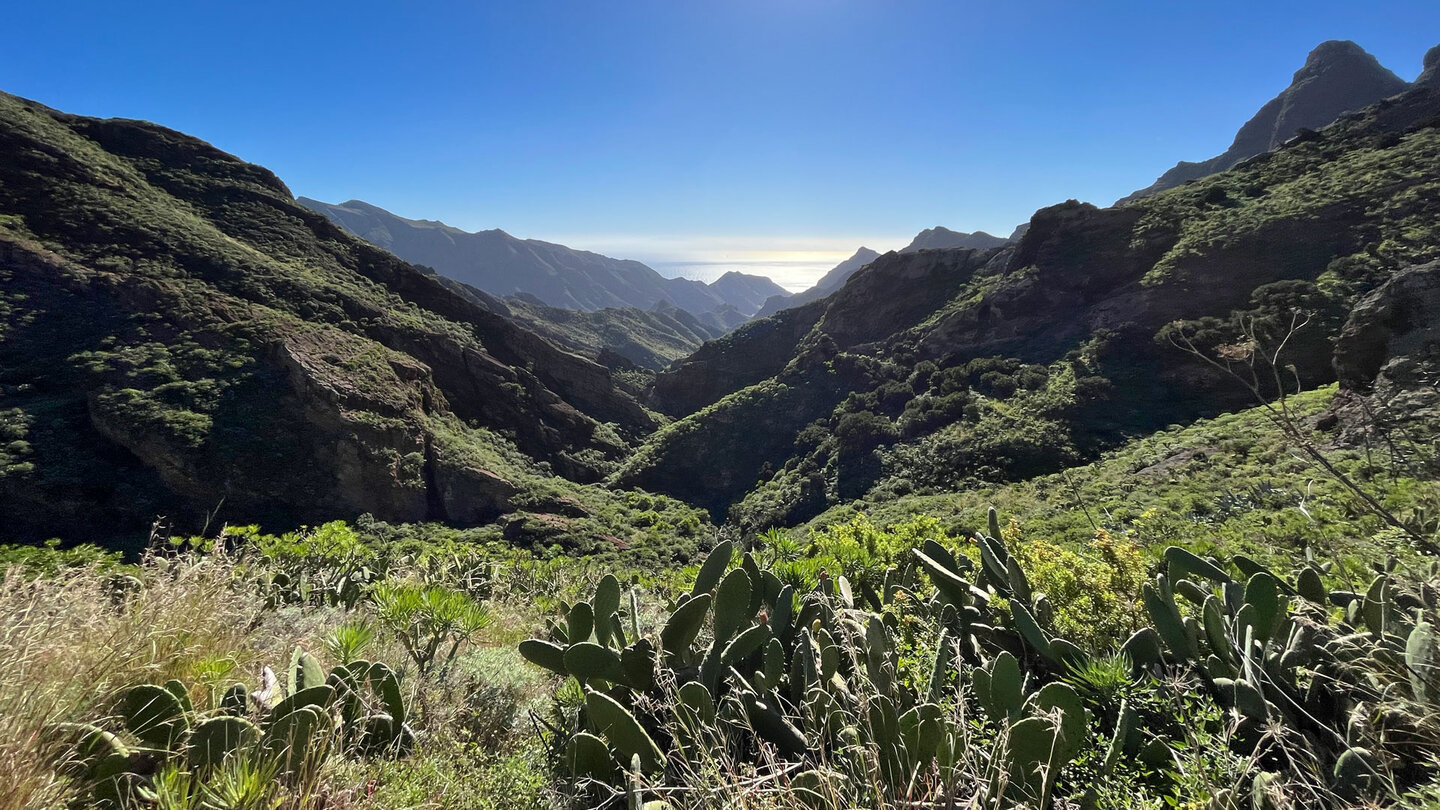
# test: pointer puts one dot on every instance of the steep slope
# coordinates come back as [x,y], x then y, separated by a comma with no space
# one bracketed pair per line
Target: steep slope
[1012,362]
[1338,76]
[615,337]
[838,274]
[502,265]
[179,337]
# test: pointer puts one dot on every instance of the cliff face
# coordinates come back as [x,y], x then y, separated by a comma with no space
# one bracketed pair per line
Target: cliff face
[1392,337]
[1337,77]
[947,360]
[179,337]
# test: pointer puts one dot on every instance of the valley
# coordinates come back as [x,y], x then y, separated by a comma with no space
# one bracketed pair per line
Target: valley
[311,505]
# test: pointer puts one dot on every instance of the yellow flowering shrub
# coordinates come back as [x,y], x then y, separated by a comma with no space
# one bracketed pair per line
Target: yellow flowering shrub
[1096,595]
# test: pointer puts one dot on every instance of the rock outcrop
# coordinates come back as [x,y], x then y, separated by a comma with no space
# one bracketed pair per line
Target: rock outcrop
[1430,75]
[1392,337]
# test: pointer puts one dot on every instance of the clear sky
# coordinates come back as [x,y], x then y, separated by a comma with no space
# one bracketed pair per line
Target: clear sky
[774,134]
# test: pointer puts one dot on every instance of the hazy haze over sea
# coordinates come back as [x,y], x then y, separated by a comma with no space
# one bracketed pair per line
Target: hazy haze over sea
[794,263]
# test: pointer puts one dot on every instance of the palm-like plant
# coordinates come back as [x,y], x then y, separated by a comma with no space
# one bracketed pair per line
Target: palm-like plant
[429,620]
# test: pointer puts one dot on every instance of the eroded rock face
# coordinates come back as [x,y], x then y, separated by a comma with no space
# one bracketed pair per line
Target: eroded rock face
[470,495]
[1388,361]
[1393,335]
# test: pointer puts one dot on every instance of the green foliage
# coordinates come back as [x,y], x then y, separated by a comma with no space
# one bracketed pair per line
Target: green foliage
[878,681]
[50,559]
[431,621]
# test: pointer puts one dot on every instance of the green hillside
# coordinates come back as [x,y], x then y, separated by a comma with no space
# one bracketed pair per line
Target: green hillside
[180,339]
[937,371]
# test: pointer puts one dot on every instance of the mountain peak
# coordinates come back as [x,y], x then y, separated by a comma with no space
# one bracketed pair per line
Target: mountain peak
[940,237]
[1338,77]
[1340,55]
[1335,50]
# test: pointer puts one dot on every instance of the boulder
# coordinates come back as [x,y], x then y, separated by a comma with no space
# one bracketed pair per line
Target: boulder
[1393,333]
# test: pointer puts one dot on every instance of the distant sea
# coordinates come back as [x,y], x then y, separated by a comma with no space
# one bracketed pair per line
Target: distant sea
[794,276]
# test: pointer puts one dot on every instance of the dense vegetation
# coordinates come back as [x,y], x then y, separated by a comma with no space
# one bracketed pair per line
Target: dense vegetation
[1064,615]
[179,338]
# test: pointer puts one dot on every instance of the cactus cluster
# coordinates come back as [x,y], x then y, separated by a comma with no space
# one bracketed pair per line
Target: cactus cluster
[746,663]
[743,660]
[290,727]
[1267,649]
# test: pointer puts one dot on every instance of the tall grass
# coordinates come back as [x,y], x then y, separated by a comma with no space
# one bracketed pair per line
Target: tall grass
[69,645]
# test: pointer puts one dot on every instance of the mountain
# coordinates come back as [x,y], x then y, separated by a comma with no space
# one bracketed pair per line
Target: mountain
[619,338]
[179,337]
[844,270]
[935,238]
[744,292]
[933,370]
[1337,77]
[938,238]
[827,284]
[502,265]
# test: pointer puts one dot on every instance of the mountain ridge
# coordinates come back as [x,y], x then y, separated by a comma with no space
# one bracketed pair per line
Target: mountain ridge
[500,264]
[1007,363]
[1338,76]
[179,337]
[936,238]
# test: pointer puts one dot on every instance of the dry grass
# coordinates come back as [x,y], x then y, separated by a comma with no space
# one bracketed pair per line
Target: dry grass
[69,646]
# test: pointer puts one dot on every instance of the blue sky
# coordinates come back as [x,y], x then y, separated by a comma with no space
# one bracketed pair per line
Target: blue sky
[699,135]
